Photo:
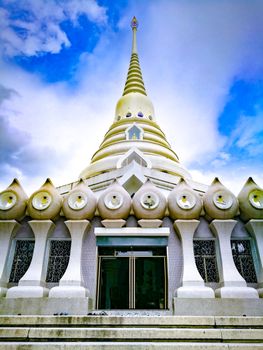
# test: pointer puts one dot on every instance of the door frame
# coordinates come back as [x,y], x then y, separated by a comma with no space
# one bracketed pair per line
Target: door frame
[132,275]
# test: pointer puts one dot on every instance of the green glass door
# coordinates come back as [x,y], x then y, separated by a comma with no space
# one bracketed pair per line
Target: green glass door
[132,279]
[114,283]
[150,283]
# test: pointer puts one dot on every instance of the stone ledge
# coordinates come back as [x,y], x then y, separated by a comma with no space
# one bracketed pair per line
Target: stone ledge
[218,307]
[128,346]
[136,320]
[45,306]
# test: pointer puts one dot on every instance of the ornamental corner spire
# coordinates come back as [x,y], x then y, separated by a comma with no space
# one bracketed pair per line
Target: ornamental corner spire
[134,81]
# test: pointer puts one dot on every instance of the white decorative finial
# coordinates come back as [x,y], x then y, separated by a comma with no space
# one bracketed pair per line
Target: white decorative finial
[134,25]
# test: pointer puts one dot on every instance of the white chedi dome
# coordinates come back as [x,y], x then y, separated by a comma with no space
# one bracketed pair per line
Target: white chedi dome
[251,201]
[45,203]
[79,203]
[184,202]
[134,105]
[149,202]
[219,202]
[115,202]
[134,126]
[13,202]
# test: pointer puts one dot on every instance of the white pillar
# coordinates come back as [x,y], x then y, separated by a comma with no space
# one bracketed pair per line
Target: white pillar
[232,283]
[255,227]
[71,283]
[193,285]
[32,284]
[8,229]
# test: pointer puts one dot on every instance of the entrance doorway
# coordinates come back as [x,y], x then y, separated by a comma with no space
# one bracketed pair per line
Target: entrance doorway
[132,278]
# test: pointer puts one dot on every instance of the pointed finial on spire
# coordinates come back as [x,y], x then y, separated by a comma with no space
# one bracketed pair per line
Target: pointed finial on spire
[134,82]
[134,25]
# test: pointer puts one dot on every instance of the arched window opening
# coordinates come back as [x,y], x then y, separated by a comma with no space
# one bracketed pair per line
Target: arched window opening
[205,259]
[241,250]
[22,259]
[59,254]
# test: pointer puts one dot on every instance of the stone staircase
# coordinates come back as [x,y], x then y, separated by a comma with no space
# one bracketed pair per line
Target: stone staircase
[130,332]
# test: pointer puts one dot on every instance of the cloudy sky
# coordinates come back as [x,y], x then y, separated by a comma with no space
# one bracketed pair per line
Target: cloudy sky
[63,65]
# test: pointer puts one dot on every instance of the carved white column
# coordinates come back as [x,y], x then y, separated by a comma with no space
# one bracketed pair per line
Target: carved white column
[232,283]
[255,227]
[71,283]
[32,284]
[8,229]
[193,285]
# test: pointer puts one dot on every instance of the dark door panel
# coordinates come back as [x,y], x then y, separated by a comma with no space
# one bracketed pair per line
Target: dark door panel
[114,283]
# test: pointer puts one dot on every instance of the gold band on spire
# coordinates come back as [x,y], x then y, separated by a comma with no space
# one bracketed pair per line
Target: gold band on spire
[134,81]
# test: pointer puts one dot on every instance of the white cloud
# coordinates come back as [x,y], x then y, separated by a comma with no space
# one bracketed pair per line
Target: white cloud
[222,159]
[247,134]
[59,129]
[197,50]
[90,8]
[40,31]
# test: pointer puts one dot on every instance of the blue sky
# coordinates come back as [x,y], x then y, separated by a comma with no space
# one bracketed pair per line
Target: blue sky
[63,66]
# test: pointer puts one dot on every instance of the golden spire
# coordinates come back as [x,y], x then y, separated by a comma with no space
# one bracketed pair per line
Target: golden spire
[134,81]
[134,110]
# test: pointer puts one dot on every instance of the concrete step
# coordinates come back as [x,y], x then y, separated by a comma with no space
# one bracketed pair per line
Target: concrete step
[135,321]
[126,346]
[133,332]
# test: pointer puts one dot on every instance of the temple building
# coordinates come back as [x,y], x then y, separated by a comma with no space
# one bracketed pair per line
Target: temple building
[134,232]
